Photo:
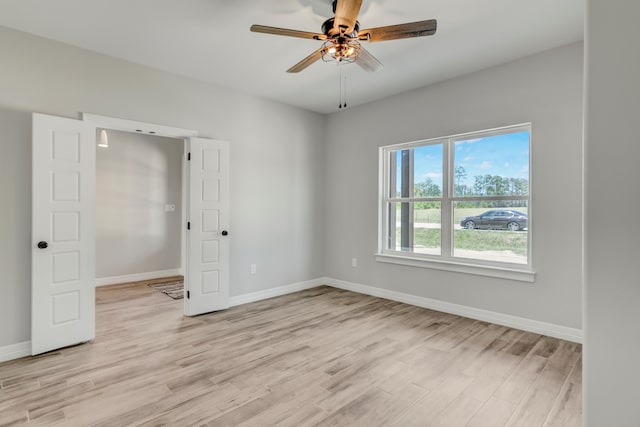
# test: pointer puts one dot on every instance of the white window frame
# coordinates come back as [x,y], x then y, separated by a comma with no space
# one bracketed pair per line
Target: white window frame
[446,260]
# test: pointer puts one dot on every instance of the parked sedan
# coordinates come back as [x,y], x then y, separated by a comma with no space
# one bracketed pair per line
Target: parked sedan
[498,219]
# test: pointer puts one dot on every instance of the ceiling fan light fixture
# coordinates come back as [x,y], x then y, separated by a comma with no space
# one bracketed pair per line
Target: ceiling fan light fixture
[340,50]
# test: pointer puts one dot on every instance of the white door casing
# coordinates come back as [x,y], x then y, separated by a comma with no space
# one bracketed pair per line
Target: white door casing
[207,272]
[63,219]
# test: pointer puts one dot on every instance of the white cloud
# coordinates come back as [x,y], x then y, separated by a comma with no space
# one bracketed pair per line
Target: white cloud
[485,165]
[432,175]
[469,141]
[467,159]
[506,165]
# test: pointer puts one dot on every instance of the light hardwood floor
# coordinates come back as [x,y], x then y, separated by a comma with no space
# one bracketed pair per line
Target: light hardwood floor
[322,357]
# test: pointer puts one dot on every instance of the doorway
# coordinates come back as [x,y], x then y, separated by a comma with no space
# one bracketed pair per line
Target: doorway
[64,232]
[139,207]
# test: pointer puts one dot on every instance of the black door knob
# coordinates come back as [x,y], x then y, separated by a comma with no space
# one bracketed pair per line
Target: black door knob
[224,232]
[43,245]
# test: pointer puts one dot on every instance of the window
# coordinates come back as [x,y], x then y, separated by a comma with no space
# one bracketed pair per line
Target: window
[462,199]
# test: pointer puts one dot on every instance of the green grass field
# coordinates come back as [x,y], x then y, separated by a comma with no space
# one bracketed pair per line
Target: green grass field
[477,240]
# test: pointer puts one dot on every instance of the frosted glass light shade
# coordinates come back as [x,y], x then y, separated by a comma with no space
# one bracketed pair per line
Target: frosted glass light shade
[104,139]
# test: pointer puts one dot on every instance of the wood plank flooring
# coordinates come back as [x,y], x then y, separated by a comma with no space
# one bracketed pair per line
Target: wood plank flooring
[322,357]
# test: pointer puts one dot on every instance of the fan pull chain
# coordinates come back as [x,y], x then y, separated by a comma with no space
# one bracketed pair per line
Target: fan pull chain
[345,91]
[342,82]
[340,85]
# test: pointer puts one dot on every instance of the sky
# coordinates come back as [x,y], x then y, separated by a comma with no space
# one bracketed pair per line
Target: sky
[505,155]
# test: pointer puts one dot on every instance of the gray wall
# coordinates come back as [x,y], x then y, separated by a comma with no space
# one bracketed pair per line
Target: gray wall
[276,157]
[545,89]
[612,175]
[135,178]
[15,226]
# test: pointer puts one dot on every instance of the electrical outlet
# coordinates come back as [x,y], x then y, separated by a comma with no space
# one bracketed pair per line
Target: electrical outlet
[253,269]
[354,262]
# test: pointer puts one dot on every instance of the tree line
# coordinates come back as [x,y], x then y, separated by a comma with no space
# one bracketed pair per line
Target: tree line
[483,185]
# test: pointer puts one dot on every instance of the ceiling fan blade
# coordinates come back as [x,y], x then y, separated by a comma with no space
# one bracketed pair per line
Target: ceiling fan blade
[367,61]
[346,16]
[400,31]
[315,56]
[286,32]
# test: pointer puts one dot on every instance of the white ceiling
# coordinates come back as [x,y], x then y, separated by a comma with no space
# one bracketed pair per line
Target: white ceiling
[209,40]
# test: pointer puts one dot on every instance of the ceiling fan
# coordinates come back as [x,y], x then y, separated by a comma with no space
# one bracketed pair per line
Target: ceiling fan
[342,36]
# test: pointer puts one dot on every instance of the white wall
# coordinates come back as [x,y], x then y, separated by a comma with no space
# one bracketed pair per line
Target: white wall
[135,178]
[612,200]
[276,160]
[545,89]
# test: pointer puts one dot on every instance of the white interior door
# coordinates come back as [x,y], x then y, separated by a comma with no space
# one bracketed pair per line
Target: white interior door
[63,233]
[207,272]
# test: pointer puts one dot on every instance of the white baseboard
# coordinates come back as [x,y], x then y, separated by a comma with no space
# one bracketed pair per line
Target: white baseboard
[274,292]
[15,351]
[535,326]
[104,281]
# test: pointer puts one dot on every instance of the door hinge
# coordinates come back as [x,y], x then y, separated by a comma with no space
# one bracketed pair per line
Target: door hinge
[188,294]
[189,156]
[189,225]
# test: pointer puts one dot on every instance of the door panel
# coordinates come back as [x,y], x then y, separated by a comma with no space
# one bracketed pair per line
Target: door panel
[485,220]
[207,273]
[63,269]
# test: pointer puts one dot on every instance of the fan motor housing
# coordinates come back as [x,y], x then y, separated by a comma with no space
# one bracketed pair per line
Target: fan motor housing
[327,29]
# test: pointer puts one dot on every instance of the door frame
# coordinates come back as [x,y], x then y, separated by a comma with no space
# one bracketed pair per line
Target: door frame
[113,123]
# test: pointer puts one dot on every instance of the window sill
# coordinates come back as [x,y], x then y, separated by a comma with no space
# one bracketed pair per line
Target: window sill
[460,267]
